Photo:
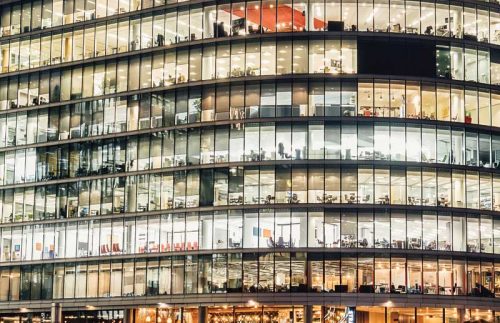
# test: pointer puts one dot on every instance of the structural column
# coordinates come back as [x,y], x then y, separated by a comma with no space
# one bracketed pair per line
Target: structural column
[56,313]
[128,316]
[202,314]
[308,313]
[461,315]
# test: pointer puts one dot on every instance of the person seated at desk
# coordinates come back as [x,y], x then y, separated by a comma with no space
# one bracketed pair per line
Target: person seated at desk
[270,242]
[416,289]
[431,245]
[414,243]
[382,243]
[262,154]
[254,156]
[269,199]
[294,199]
[351,198]
[280,243]
[181,78]
[160,40]
[348,241]
[281,151]
[398,244]
[384,200]
[327,198]
[442,201]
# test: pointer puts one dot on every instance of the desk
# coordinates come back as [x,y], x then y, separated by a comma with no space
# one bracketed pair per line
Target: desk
[234,244]
[381,244]
[348,241]
[329,199]
[422,201]
[431,245]
[383,200]
[414,290]
[443,31]
[472,247]
[412,200]
[411,30]
[382,288]
[351,198]
[398,244]
[414,243]
[443,201]
[365,111]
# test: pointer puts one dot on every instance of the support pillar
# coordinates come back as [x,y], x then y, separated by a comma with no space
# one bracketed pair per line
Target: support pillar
[128,316]
[461,315]
[202,314]
[56,313]
[308,313]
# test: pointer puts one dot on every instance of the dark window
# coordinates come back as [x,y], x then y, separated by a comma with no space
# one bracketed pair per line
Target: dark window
[396,57]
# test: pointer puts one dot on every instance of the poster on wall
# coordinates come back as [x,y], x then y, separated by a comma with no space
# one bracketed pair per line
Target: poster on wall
[340,315]
[350,315]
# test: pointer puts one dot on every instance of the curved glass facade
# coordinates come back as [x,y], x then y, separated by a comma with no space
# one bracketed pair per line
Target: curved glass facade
[282,161]
[334,229]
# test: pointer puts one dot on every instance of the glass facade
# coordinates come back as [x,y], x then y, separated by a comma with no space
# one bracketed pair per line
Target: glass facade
[284,228]
[269,272]
[269,161]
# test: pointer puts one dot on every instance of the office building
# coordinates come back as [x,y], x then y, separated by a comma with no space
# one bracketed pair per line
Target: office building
[301,161]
